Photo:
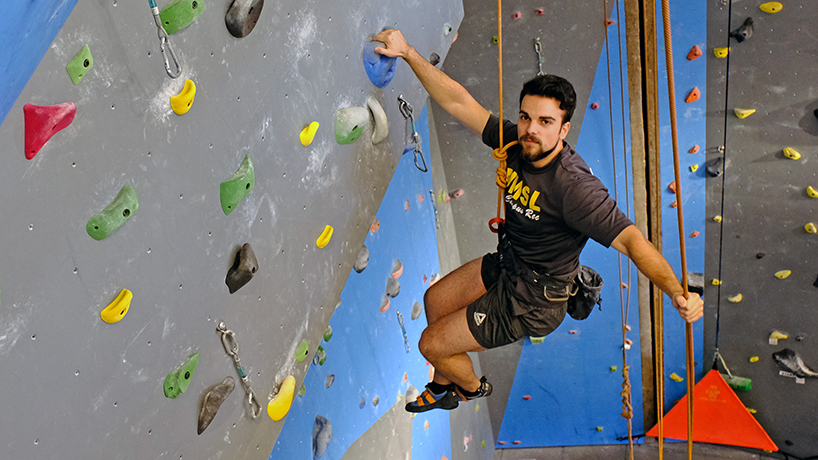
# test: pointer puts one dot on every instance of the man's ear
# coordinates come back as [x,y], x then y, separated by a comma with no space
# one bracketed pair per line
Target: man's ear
[564,130]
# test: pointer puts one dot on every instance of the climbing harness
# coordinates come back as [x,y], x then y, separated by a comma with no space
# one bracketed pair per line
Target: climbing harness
[231,346]
[413,140]
[538,49]
[164,44]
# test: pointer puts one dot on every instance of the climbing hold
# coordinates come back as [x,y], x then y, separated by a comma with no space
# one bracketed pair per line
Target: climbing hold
[179,14]
[754,359]
[791,362]
[392,287]
[516,15]
[42,122]
[736,298]
[244,268]
[676,378]
[177,381]
[362,260]
[321,436]
[411,393]
[675,204]
[810,228]
[457,193]
[406,205]
[694,53]
[236,189]
[744,113]
[417,309]
[278,407]
[330,380]
[212,400]
[693,95]
[420,198]
[694,234]
[435,279]
[599,428]
[694,149]
[242,16]
[80,65]
[540,11]
[434,59]
[694,168]
[791,153]
[717,218]
[447,29]
[613,368]
[381,126]
[716,282]
[527,397]
[781,274]
[379,68]
[326,235]
[303,390]
[721,52]
[771,7]
[426,425]
[672,187]
[594,106]
[350,123]
[308,133]
[302,351]
[609,22]
[107,221]
[375,401]
[376,224]
[181,102]
[760,255]
[800,337]
[495,40]
[744,31]
[812,192]
[397,269]
[778,335]
[385,302]
[327,333]
[536,340]
[320,356]
[362,404]
[752,411]
[715,167]
[117,309]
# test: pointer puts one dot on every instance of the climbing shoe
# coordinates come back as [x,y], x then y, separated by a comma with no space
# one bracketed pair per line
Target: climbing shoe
[484,390]
[428,400]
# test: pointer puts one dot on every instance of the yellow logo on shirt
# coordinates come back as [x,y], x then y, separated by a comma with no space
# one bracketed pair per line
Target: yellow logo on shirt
[516,193]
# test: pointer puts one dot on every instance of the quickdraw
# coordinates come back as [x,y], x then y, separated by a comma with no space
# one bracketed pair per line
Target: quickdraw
[231,346]
[413,140]
[164,44]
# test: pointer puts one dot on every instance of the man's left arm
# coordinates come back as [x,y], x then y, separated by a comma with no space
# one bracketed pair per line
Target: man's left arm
[652,264]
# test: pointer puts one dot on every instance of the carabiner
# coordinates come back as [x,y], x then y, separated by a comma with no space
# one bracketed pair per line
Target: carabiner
[164,44]
[252,403]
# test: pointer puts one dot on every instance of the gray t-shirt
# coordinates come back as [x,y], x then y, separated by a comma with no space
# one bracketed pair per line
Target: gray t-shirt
[552,211]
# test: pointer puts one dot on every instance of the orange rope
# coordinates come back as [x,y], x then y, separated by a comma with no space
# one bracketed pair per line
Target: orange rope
[500,153]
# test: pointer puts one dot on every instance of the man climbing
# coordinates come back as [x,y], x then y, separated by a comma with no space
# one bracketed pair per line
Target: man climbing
[553,205]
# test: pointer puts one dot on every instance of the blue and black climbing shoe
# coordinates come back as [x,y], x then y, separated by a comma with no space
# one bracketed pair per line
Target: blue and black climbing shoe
[484,390]
[428,400]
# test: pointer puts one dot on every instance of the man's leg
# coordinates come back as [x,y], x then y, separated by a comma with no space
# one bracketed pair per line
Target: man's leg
[445,344]
[454,292]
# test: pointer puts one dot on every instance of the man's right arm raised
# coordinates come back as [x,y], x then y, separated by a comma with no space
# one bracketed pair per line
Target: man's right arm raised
[452,96]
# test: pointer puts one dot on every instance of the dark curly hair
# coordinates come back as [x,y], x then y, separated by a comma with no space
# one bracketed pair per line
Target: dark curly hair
[554,87]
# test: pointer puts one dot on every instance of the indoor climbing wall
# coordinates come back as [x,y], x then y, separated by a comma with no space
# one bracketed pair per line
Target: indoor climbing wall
[761,249]
[127,231]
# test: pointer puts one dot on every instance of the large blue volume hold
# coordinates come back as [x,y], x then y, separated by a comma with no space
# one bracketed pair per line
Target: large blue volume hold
[379,68]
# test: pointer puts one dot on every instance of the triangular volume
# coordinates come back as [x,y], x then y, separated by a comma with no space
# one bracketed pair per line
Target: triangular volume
[719,417]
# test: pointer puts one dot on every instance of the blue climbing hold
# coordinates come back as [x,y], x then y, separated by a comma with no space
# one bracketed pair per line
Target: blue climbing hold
[379,68]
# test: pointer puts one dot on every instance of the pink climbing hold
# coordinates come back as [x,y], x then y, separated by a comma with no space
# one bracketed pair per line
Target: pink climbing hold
[540,11]
[447,199]
[405,377]
[517,15]
[457,193]
[595,106]
[424,279]
[376,224]
[694,149]
[420,198]
[502,443]
[44,122]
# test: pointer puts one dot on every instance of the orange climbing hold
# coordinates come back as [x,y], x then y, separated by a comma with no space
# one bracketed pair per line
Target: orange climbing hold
[694,149]
[694,53]
[719,417]
[672,187]
[674,204]
[609,22]
[694,234]
[693,95]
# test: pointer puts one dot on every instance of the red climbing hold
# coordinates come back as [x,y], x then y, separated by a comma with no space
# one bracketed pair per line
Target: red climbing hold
[44,122]
[502,443]
[694,53]
[375,225]
[694,149]
[527,397]
[540,11]
[672,187]
[674,204]
[516,15]
[517,442]
[609,22]
[594,106]
[693,95]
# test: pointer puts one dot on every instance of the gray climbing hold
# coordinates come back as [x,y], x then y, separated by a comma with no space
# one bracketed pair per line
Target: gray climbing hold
[330,380]
[744,32]
[397,269]
[212,400]
[791,361]
[363,259]
[434,59]
[321,436]
[380,127]
[244,268]
[362,404]
[695,282]
[392,287]
[375,401]
[715,167]
[417,309]
[411,393]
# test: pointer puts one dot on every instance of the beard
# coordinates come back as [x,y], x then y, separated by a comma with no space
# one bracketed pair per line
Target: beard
[535,153]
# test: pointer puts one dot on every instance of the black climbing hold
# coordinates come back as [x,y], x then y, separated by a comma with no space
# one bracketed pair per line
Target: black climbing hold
[788,442]
[695,282]
[791,362]
[815,112]
[321,436]
[242,16]
[363,259]
[760,255]
[744,32]
[815,283]
[715,167]
[212,400]
[434,59]
[244,268]
[392,287]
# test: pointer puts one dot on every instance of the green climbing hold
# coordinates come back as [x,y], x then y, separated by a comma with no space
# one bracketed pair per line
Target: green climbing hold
[320,356]
[328,334]
[80,65]
[350,123]
[177,381]
[179,14]
[114,215]
[235,189]
[303,349]
[303,390]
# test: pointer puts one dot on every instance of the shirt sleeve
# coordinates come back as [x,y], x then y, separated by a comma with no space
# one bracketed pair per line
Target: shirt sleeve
[589,209]
[491,133]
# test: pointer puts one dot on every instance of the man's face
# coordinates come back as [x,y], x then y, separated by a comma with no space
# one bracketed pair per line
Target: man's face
[540,129]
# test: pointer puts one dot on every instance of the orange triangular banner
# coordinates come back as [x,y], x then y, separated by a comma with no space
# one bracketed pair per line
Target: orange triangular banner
[719,417]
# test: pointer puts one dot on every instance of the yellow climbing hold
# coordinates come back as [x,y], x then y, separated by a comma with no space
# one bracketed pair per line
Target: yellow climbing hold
[791,153]
[117,309]
[771,7]
[778,335]
[752,411]
[326,235]
[181,102]
[716,282]
[744,113]
[278,407]
[600,428]
[717,218]
[721,52]
[754,359]
[613,368]
[812,192]
[694,168]
[810,228]
[308,133]
[736,298]
[783,274]
[676,377]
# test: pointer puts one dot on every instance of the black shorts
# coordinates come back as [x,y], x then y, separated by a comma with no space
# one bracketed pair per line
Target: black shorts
[490,317]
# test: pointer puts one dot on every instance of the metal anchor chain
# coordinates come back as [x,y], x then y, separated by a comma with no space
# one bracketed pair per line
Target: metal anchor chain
[164,44]
[231,346]
[412,136]
[538,49]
